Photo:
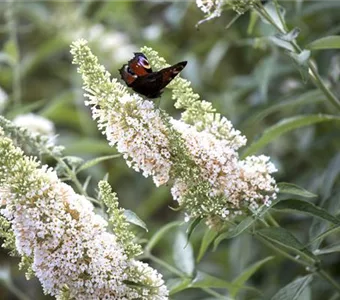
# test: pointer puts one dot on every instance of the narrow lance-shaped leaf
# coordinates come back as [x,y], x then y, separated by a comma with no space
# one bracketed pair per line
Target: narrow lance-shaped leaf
[132,218]
[292,189]
[204,280]
[329,249]
[183,254]
[293,290]
[246,274]
[159,234]
[284,126]
[207,239]
[178,284]
[192,227]
[327,42]
[306,208]
[309,97]
[235,231]
[96,161]
[284,238]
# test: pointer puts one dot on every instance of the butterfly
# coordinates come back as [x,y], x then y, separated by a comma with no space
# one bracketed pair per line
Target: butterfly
[138,75]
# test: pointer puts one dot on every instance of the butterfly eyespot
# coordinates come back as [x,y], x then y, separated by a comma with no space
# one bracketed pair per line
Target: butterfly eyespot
[144,63]
[138,75]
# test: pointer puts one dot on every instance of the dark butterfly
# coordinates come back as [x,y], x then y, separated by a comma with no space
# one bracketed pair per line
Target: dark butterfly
[138,75]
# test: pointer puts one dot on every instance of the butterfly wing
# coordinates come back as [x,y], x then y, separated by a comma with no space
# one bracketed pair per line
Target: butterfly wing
[139,64]
[170,73]
[136,67]
[127,75]
[138,75]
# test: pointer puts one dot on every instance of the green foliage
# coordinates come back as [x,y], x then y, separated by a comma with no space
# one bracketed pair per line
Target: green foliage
[274,73]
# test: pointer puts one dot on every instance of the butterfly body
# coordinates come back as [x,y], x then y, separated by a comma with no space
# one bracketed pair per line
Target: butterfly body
[138,75]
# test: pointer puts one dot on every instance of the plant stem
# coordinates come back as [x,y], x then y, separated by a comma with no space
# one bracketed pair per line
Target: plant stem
[272,220]
[329,279]
[15,291]
[316,78]
[215,294]
[165,265]
[282,252]
[13,37]
[322,273]
[320,84]
[72,177]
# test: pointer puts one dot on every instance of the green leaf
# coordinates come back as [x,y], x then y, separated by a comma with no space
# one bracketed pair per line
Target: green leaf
[263,73]
[319,7]
[290,36]
[87,145]
[281,43]
[132,218]
[246,274]
[252,22]
[178,284]
[330,175]
[207,239]
[292,189]
[159,234]
[285,126]
[324,234]
[183,254]
[301,61]
[204,280]
[284,40]
[276,15]
[234,231]
[306,208]
[327,250]
[293,290]
[95,161]
[284,238]
[193,224]
[327,42]
[309,97]
[302,58]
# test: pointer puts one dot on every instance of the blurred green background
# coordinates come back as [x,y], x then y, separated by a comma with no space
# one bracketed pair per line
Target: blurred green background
[248,80]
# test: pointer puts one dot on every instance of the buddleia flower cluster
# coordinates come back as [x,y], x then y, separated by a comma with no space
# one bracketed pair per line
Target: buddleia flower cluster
[213,8]
[62,241]
[196,154]
[33,134]
[35,124]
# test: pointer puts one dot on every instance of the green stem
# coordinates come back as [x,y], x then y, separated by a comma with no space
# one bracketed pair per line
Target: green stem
[277,8]
[316,78]
[15,291]
[320,84]
[72,176]
[215,294]
[165,265]
[13,37]
[329,279]
[322,273]
[282,252]
[272,220]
